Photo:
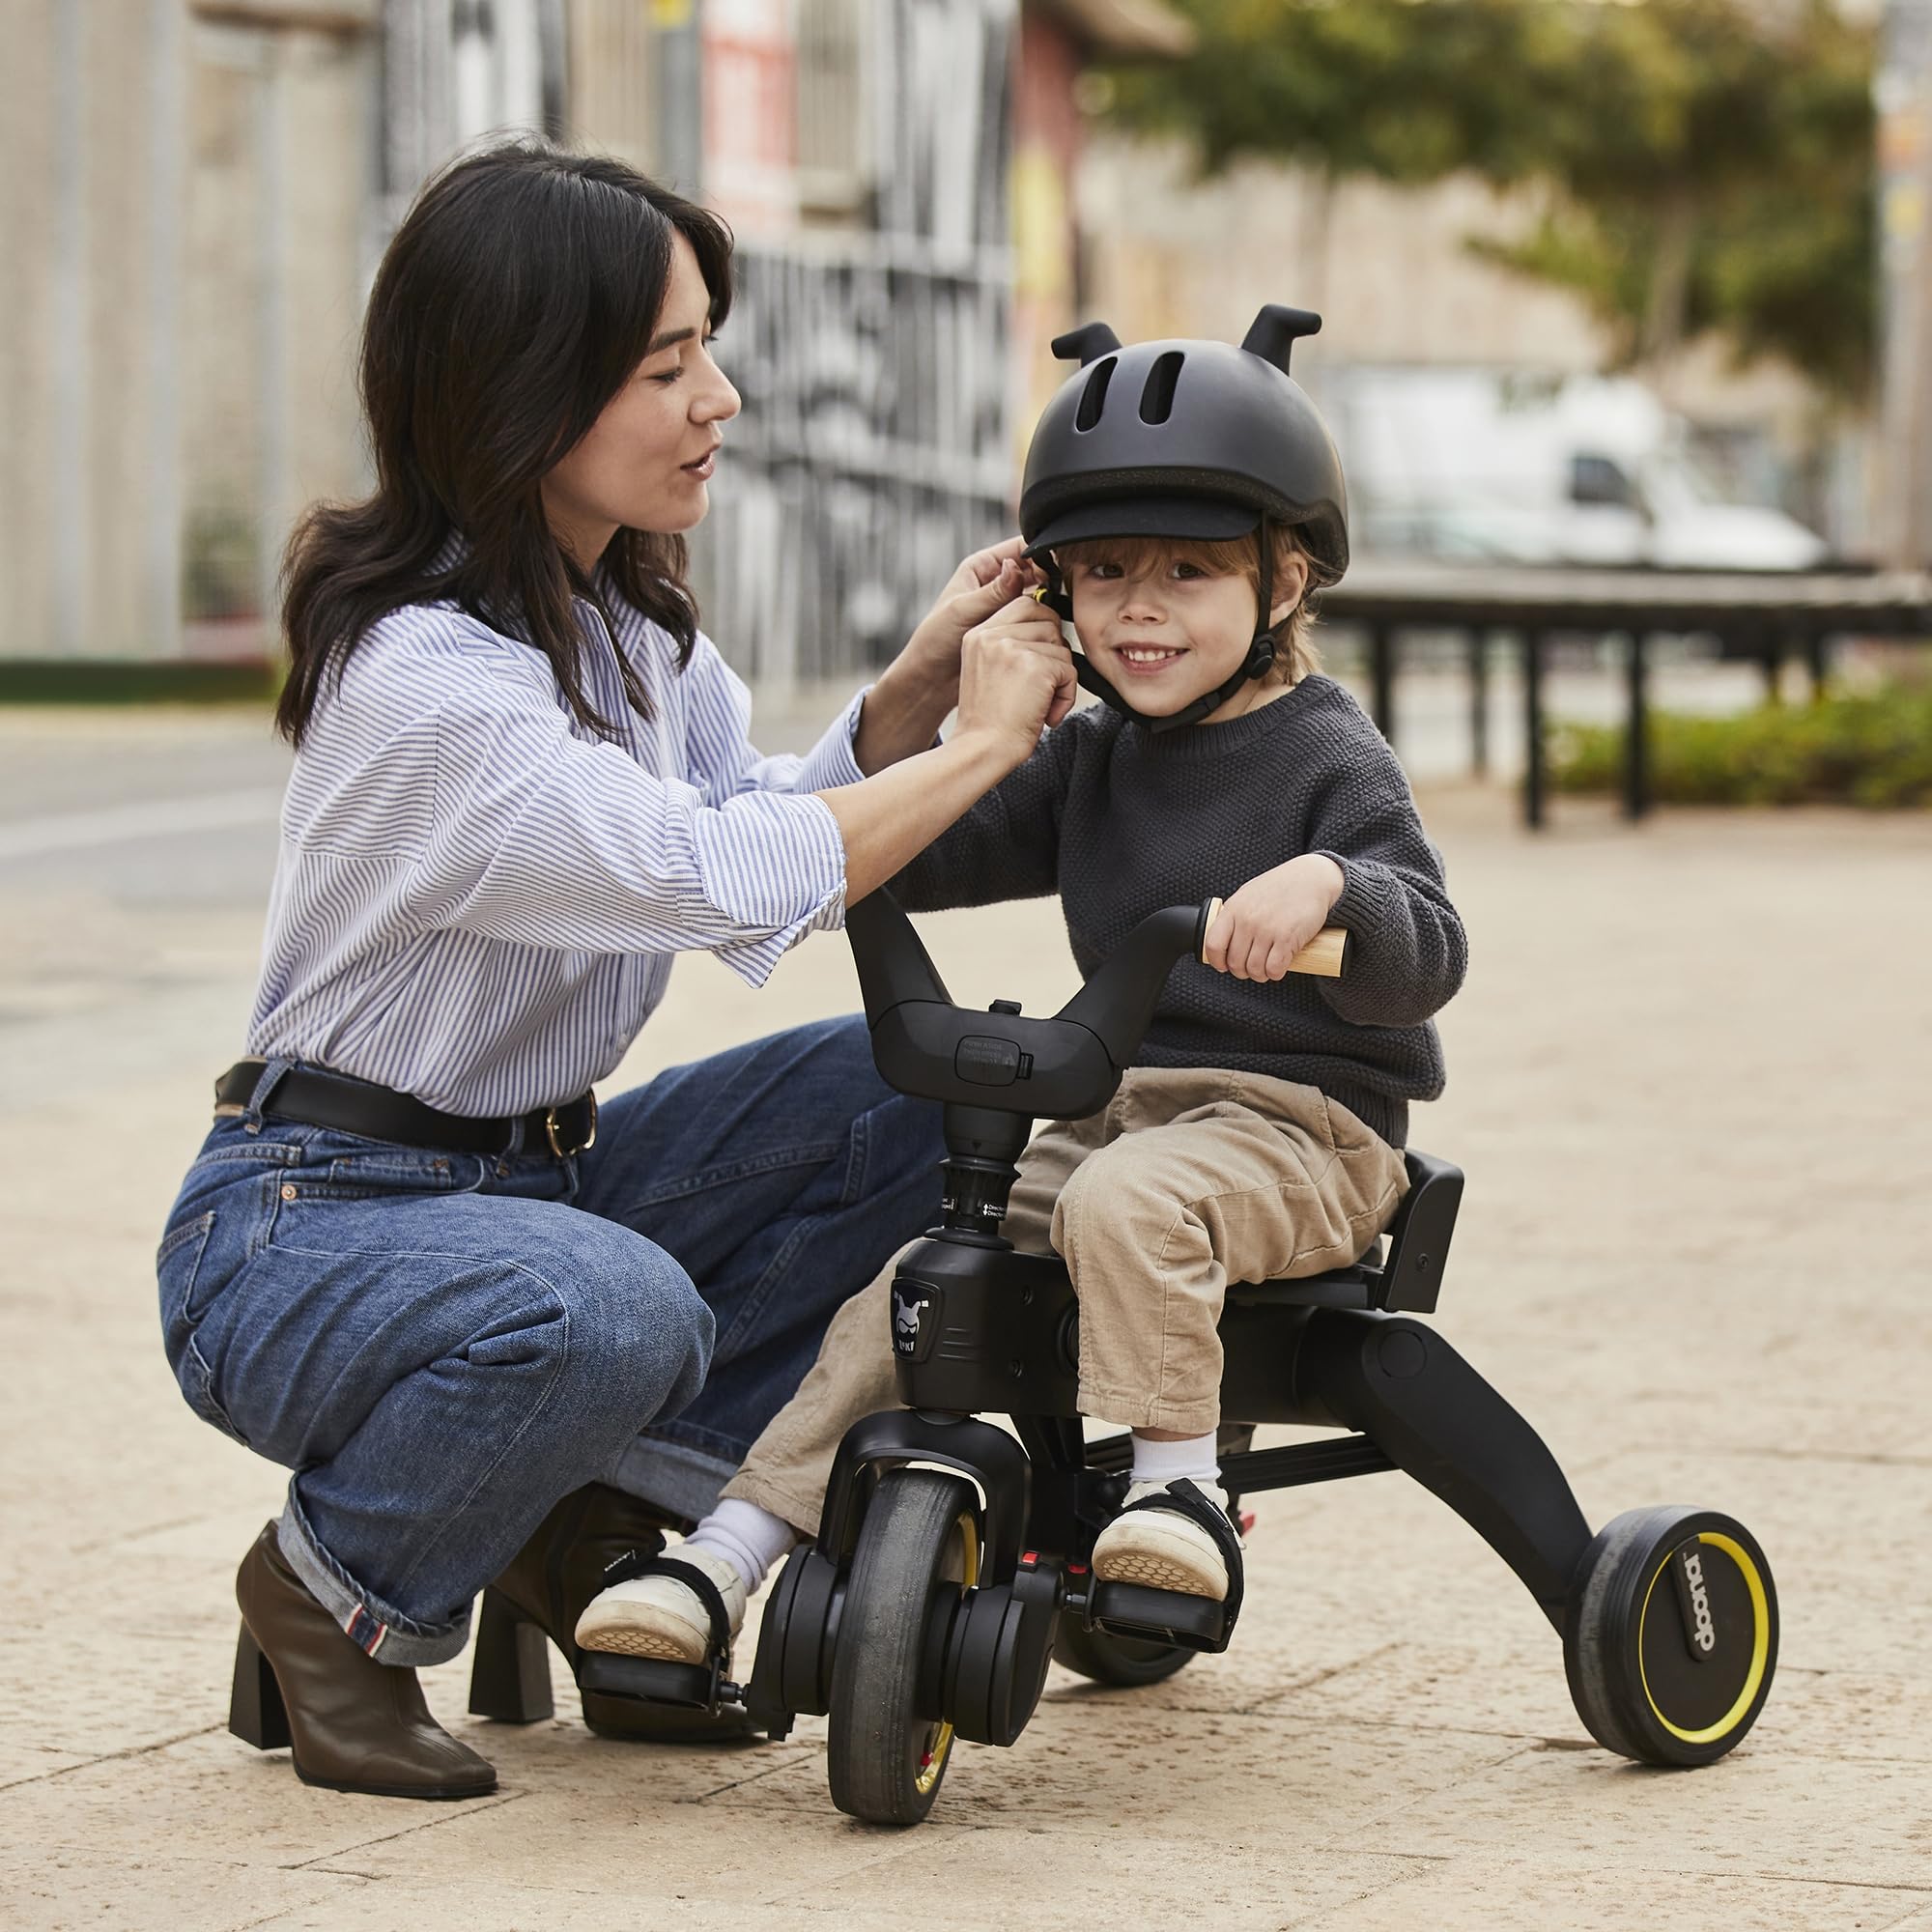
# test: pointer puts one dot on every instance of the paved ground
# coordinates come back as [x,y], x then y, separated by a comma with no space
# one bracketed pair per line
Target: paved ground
[1688,1088]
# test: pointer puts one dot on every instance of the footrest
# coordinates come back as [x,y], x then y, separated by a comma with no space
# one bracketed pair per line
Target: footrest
[1168,1616]
[653,1680]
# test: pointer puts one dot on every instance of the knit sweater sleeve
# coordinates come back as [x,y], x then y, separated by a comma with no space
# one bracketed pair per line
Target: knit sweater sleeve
[1007,845]
[1408,951]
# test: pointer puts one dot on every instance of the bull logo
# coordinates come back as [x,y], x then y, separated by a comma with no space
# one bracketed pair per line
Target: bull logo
[907,1305]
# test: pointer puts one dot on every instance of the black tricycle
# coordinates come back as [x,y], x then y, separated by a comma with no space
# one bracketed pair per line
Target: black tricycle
[953,1560]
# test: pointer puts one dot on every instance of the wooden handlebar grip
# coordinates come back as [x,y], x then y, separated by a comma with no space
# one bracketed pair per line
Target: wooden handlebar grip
[1214,906]
[1322,955]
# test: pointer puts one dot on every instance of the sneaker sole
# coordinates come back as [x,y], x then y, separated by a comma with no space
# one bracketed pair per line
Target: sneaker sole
[1162,1573]
[627,1641]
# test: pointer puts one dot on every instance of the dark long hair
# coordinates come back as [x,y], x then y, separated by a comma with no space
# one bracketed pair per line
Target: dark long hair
[518,297]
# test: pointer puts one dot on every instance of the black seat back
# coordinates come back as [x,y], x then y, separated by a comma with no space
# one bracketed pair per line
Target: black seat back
[1411,1278]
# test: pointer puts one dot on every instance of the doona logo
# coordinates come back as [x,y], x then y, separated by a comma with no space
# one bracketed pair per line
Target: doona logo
[1705,1635]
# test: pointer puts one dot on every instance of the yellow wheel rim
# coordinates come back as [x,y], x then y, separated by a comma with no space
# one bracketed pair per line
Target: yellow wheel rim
[939,1745]
[1760,1643]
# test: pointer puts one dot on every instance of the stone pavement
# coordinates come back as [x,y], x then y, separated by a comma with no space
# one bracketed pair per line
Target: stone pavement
[1688,1082]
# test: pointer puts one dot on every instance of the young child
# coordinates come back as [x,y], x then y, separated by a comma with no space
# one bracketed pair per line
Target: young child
[1259,1134]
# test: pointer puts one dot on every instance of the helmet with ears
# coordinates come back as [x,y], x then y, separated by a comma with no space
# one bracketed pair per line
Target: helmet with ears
[1185,438]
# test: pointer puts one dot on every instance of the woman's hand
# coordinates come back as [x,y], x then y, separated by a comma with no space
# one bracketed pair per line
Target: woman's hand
[906,706]
[1262,927]
[1013,676]
[984,581]
[1016,678]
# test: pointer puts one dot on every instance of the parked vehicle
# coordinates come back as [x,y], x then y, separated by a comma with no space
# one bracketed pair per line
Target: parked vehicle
[1474,464]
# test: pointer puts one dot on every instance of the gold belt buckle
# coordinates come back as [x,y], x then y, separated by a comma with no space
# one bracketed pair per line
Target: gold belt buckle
[557,1146]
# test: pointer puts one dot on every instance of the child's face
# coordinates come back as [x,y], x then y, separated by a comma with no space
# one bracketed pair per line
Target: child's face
[1165,624]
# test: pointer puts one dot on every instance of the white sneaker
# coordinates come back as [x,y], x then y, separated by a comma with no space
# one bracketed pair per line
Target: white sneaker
[659,1617]
[1161,1548]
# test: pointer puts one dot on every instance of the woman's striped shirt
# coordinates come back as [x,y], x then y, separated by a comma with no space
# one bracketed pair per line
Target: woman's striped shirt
[477,898]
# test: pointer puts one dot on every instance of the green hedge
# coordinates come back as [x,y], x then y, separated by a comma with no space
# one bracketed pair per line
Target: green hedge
[138,681]
[1874,749]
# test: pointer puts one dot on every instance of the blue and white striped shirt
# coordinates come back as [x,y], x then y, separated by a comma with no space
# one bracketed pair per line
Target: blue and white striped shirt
[477,898]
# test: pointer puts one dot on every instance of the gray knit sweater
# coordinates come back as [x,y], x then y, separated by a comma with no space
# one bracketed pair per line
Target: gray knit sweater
[1121,822]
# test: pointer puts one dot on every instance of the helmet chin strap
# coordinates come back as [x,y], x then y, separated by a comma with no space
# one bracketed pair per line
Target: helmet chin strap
[1258,663]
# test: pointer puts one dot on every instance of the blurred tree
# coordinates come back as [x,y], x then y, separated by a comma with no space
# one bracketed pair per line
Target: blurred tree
[1710,163]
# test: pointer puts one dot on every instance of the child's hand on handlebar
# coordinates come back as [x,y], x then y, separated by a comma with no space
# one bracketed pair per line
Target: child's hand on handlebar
[1016,677]
[1260,929]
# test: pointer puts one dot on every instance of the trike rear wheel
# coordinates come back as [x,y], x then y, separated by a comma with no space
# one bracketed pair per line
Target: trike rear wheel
[1108,1659]
[1673,1643]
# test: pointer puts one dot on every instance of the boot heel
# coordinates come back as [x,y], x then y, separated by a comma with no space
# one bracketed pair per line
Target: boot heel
[255,1711]
[509,1679]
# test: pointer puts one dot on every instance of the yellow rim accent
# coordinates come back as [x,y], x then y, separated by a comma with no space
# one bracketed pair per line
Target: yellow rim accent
[1760,1647]
[941,1741]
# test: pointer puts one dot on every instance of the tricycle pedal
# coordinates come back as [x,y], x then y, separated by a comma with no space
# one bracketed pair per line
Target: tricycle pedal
[1161,1616]
[652,1680]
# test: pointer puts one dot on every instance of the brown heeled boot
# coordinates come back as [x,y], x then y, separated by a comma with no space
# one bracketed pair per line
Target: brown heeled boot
[353,1725]
[543,1593]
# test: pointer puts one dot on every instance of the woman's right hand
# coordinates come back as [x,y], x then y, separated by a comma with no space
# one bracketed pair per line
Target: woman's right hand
[1015,679]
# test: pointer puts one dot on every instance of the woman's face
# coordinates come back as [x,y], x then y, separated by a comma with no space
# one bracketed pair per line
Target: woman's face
[645,462]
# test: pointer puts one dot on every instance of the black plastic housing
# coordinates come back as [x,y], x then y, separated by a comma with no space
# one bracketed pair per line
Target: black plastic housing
[985,1329]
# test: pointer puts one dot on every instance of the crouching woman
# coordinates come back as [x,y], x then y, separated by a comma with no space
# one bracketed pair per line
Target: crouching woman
[493,1334]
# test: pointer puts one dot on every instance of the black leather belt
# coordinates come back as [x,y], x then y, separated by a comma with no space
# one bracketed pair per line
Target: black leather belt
[321,1100]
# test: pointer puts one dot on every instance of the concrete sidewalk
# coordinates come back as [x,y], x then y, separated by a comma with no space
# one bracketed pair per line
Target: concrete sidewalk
[1688,1086]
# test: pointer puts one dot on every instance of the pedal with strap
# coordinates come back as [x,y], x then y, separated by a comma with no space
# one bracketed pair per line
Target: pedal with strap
[1176,1616]
[660,1679]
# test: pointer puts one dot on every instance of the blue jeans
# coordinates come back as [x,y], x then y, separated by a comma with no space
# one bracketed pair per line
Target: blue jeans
[443,1345]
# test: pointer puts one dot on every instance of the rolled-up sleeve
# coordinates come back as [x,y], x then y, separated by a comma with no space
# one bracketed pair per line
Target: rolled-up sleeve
[540,838]
[717,744]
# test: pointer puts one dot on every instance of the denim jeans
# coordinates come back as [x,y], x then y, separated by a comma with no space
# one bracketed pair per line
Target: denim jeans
[442,1344]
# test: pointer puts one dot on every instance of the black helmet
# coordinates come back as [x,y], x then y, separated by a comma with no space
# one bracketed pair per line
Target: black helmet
[1185,440]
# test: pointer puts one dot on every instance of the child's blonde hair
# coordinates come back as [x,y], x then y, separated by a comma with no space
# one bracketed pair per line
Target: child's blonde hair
[1295,652]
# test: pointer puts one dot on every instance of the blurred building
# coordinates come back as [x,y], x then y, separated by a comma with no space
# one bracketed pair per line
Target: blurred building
[184,227]
[197,193]
[869,335]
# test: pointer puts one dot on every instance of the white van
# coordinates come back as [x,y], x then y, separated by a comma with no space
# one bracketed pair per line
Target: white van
[1470,463]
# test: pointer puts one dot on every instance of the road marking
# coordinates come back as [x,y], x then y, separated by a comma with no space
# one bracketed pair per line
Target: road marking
[160,819]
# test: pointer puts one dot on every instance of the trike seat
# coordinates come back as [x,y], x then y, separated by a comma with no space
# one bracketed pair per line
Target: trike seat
[1409,1279]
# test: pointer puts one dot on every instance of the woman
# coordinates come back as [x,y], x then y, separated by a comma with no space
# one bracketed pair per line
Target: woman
[493,1336]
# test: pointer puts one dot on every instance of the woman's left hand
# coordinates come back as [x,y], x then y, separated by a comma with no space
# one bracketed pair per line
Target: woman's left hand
[934,646]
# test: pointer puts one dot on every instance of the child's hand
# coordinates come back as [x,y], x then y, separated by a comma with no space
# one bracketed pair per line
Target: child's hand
[1260,929]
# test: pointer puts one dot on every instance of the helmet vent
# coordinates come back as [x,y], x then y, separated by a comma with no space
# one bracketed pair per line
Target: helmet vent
[1157,398]
[1094,397]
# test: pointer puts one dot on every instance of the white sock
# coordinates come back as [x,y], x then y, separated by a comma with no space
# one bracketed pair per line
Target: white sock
[1163,1462]
[746,1537]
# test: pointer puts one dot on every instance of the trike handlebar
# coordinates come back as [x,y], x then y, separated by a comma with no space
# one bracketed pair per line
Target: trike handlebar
[1059,1068]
